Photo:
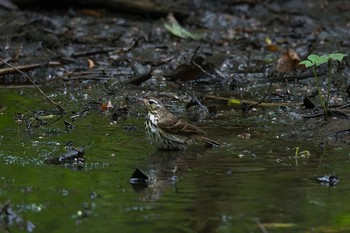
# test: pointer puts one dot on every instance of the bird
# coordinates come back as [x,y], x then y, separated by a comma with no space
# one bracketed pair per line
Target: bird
[168,132]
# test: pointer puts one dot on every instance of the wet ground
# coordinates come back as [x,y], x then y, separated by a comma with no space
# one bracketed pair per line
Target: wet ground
[281,168]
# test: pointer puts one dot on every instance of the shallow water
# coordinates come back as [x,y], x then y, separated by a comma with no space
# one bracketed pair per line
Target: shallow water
[247,184]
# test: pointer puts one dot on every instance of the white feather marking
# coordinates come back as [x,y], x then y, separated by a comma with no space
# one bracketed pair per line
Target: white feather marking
[153,119]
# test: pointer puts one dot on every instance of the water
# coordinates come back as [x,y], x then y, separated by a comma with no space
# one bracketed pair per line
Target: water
[251,182]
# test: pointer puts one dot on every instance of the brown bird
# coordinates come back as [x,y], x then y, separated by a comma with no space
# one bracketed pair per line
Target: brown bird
[167,132]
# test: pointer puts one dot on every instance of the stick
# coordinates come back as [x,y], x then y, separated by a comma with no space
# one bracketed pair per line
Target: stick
[261,104]
[194,54]
[201,68]
[37,87]
[13,69]
[262,228]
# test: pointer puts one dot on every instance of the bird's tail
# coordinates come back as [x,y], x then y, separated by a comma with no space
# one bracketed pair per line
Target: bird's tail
[210,142]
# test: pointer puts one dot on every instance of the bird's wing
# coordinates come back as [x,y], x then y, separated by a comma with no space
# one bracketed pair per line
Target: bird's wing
[172,124]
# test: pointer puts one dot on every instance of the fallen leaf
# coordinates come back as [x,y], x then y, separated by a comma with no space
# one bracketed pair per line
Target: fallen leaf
[177,30]
[91,12]
[288,62]
[109,104]
[91,63]
[271,47]
[103,107]
[294,56]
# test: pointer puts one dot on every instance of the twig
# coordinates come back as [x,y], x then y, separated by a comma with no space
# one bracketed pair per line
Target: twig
[194,54]
[262,228]
[201,68]
[345,105]
[261,104]
[93,52]
[297,76]
[37,87]
[192,62]
[13,69]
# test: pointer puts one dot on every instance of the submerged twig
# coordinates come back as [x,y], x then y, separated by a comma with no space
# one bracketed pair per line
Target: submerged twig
[37,87]
[261,226]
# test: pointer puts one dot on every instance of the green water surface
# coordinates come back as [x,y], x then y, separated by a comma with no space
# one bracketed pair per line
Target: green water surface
[243,186]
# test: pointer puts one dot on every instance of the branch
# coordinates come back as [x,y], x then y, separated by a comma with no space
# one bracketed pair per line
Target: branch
[13,69]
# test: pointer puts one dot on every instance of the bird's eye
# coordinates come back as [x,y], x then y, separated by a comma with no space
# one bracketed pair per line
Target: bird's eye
[151,102]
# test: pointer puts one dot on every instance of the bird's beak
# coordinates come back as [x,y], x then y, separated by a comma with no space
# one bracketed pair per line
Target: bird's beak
[141,100]
[144,101]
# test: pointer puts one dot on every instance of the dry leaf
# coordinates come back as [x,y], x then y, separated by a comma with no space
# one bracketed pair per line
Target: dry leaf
[91,12]
[105,107]
[271,47]
[91,63]
[109,104]
[288,61]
